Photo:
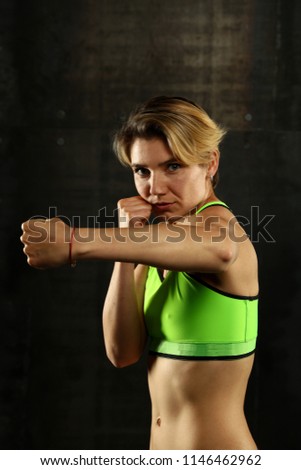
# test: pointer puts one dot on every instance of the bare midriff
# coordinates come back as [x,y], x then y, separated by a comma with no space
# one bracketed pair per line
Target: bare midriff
[199,404]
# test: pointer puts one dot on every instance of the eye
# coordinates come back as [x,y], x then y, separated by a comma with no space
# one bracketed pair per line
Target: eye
[173,167]
[141,171]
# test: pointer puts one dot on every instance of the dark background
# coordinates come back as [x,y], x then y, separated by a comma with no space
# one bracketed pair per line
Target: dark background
[70,71]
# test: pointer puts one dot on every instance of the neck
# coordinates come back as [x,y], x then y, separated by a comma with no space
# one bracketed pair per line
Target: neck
[210,198]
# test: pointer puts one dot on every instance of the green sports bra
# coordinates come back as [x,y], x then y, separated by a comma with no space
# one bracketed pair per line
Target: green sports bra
[188,319]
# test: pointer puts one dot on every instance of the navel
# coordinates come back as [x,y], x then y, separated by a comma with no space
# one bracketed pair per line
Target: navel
[158,421]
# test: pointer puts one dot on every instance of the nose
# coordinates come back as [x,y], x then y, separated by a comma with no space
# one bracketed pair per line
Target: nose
[157,185]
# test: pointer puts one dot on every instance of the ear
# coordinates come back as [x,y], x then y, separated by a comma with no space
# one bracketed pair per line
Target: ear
[214,163]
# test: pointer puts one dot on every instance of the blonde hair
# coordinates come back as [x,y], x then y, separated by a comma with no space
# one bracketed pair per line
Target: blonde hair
[186,128]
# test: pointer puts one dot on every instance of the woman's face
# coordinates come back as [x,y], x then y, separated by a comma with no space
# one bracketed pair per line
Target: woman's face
[172,188]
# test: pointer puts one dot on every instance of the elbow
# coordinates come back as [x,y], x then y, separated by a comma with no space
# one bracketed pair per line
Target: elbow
[123,353]
[226,257]
[223,256]
[120,361]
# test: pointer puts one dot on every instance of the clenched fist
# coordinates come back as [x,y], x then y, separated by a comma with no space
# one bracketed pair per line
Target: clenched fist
[46,242]
[133,212]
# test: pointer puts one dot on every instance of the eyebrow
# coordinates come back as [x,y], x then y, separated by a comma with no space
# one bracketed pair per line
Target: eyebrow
[166,162]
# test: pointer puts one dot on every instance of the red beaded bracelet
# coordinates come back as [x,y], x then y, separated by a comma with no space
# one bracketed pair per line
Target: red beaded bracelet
[71,262]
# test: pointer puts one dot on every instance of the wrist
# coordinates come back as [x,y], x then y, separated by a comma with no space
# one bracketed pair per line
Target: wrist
[82,244]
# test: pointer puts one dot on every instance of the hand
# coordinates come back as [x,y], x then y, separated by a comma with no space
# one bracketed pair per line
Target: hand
[46,242]
[134,212]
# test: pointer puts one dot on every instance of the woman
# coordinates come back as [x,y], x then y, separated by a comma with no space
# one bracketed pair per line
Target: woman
[187,284]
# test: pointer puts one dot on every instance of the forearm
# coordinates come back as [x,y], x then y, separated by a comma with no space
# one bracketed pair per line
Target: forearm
[179,248]
[123,325]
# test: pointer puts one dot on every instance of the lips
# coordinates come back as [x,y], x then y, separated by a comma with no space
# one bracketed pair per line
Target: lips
[163,205]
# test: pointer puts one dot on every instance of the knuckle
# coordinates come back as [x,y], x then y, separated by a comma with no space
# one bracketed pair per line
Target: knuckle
[121,202]
[24,226]
[31,262]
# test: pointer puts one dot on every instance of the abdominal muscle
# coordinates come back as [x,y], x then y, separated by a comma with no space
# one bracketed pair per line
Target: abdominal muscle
[199,404]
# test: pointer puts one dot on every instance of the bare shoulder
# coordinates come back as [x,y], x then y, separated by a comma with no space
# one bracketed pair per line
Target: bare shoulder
[220,215]
[216,214]
[241,278]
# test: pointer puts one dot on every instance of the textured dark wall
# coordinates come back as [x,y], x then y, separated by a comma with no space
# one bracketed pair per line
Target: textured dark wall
[69,72]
